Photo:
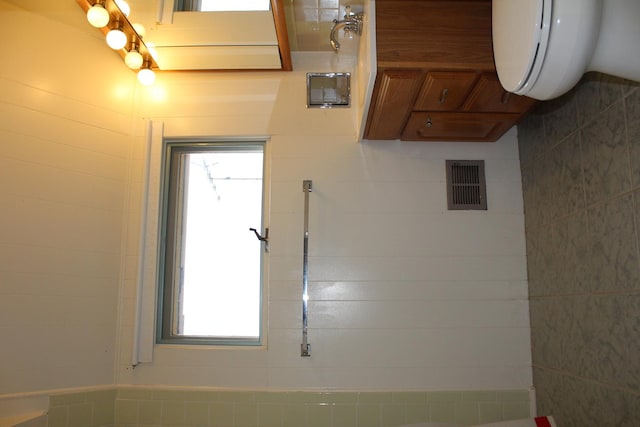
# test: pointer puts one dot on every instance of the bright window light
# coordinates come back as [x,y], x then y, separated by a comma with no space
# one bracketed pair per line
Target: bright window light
[212,280]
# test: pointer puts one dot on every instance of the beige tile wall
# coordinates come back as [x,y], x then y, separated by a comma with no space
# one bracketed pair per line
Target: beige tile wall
[309,22]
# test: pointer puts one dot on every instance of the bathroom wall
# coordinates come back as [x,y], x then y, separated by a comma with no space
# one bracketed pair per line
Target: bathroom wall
[580,158]
[405,295]
[65,130]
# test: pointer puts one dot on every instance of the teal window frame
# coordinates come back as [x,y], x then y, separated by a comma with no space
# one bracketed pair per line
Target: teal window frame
[172,180]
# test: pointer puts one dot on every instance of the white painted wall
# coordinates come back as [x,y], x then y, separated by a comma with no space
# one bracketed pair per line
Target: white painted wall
[404,295]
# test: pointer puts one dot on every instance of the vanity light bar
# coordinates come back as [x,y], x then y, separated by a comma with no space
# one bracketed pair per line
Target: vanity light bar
[118,18]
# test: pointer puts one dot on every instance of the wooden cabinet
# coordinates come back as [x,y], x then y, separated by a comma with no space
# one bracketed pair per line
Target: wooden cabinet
[436,78]
[463,106]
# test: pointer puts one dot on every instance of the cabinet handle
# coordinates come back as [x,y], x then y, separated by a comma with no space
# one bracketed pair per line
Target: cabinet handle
[505,97]
[443,95]
[428,123]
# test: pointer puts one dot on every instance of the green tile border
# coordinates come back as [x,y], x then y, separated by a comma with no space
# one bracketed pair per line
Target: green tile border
[156,406]
[83,409]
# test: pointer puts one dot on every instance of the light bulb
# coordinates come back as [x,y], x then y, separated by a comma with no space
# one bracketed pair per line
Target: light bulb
[116,38]
[124,7]
[146,76]
[98,16]
[139,28]
[133,59]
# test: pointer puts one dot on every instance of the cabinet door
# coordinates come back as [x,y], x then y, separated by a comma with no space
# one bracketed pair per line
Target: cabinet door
[489,96]
[392,99]
[445,90]
[439,126]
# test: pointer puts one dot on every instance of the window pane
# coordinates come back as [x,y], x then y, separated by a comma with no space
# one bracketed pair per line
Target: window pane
[216,260]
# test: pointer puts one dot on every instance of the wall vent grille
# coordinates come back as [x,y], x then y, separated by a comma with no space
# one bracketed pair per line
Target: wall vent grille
[466,186]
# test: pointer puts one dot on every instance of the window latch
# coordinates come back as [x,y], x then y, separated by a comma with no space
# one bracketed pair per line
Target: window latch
[262,238]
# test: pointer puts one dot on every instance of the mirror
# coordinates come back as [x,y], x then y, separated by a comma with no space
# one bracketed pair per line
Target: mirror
[328,90]
[226,40]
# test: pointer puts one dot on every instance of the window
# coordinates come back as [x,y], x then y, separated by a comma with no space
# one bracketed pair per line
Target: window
[210,273]
[221,5]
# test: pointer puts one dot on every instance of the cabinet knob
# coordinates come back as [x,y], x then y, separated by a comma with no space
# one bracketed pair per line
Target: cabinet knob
[505,97]
[428,123]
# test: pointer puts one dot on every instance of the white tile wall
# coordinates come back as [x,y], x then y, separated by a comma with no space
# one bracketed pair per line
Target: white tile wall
[65,126]
[404,295]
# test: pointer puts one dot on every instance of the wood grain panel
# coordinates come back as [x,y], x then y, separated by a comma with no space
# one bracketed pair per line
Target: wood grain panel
[488,95]
[395,93]
[279,19]
[481,127]
[450,43]
[444,90]
[434,34]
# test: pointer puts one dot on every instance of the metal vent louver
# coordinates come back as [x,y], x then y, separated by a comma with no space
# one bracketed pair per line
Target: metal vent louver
[466,187]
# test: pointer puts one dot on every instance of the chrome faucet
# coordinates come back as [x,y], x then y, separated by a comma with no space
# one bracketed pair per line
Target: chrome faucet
[352,23]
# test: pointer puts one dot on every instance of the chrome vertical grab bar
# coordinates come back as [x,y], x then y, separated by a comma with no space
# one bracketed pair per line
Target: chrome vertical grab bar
[304,347]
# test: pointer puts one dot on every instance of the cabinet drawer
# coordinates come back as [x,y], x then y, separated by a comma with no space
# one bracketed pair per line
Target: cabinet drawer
[439,126]
[444,90]
[488,95]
